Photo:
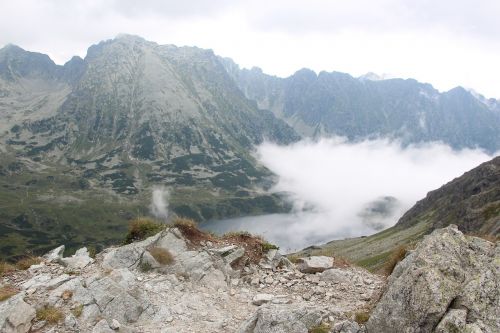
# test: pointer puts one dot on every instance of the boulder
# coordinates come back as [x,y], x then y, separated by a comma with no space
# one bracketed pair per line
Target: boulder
[282,318]
[78,261]
[260,299]
[273,259]
[446,272]
[54,255]
[16,315]
[127,256]
[314,264]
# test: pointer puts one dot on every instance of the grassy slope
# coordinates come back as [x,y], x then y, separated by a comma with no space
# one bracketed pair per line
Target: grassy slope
[372,251]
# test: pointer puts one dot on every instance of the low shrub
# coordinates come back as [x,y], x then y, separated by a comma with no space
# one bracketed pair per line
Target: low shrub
[161,255]
[266,247]
[77,310]
[361,317]
[27,262]
[398,254]
[7,292]
[142,228]
[145,267]
[50,314]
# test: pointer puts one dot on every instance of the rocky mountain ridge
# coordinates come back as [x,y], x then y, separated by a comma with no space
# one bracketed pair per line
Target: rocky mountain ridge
[97,134]
[210,286]
[334,103]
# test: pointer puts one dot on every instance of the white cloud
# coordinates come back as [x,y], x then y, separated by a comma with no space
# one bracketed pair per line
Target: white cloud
[339,179]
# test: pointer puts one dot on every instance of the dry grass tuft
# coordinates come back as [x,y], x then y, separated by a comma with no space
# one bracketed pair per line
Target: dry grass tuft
[7,292]
[6,268]
[322,328]
[27,262]
[398,254]
[162,256]
[50,314]
[142,228]
[190,230]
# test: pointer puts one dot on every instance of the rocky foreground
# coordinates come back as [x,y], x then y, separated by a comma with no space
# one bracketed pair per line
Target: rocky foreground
[179,282]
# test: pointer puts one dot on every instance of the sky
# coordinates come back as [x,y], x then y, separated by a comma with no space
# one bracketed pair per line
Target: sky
[338,182]
[445,43]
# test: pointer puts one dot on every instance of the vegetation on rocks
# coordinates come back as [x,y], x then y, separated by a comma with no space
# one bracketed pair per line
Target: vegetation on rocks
[398,254]
[161,255]
[50,314]
[7,292]
[6,268]
[322,328]
[77,310]
[142,228]
[27,262]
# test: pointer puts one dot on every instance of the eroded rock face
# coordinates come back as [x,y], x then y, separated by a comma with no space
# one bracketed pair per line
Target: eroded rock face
[444,276]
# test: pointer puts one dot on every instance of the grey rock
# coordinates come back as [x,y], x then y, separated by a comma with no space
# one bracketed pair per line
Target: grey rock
[172,240]
[260,299]
[54,255]
[314,264]
[16,315]
[102,327]
[453,321]
[282,319]
[79,260]
[346,326]
[336,275]
[446,271]
[127,256]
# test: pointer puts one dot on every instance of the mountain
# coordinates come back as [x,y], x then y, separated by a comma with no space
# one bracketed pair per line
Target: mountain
[83,144]
[471,201]
[357,108]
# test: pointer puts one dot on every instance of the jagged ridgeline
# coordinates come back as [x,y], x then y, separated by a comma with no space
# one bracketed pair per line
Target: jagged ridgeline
[338,104]
[83,143]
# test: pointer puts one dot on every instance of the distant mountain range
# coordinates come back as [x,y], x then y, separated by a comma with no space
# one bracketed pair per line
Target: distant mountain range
[83,144]
[325,104]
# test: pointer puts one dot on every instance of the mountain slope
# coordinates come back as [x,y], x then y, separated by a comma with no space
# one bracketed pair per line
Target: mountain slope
[357,108]
[471,201]
[83,144]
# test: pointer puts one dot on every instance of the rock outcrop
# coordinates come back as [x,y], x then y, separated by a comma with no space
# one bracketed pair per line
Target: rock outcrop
[449,283]
[206,287]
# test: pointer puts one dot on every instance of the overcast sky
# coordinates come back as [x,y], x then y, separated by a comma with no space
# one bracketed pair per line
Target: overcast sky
[443,42]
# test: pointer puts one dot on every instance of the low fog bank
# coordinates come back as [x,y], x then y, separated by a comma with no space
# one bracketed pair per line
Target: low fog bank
[354,189]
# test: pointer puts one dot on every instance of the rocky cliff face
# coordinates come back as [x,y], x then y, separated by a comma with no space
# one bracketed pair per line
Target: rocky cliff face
[471,201]
[338,104]
[107,128]
[449,283]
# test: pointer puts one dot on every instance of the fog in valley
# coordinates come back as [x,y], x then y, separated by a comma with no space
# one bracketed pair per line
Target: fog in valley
[341,189]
